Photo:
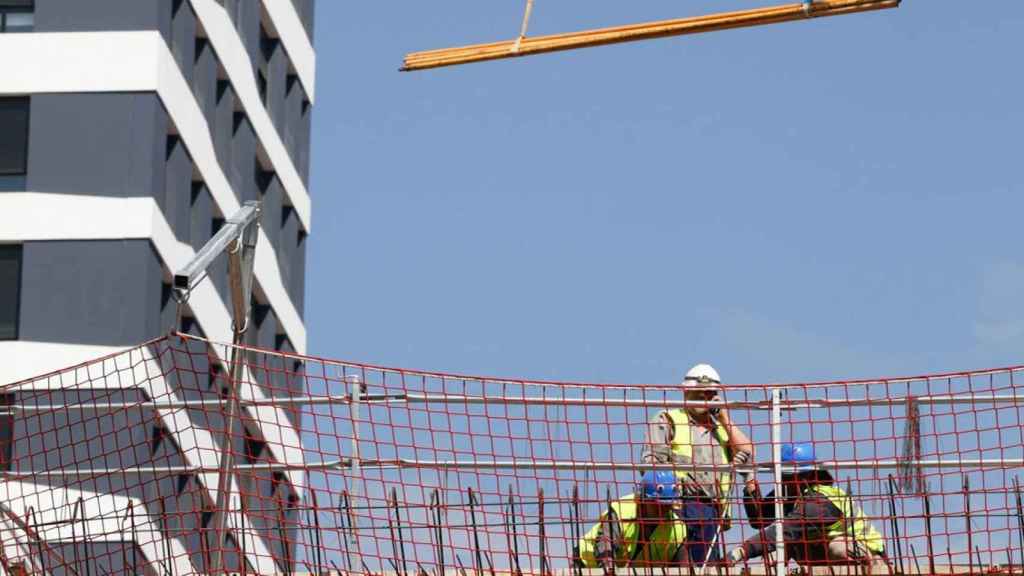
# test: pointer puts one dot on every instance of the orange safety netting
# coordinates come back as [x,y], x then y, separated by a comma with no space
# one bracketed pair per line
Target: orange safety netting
[113,466]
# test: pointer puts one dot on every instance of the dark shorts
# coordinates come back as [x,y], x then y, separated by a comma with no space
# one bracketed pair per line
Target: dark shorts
[702,522]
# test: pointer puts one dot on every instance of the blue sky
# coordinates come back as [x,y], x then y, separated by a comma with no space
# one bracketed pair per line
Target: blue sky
[826,199]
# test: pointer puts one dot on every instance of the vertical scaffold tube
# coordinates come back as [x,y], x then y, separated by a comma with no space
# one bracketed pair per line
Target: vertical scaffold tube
[780,543]
[356,386]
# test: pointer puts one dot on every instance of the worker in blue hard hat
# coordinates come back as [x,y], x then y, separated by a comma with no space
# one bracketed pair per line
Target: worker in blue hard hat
[705,446]
[641,529]
[821,524]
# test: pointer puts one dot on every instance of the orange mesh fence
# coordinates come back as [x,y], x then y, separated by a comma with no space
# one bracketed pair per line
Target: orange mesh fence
[115,465]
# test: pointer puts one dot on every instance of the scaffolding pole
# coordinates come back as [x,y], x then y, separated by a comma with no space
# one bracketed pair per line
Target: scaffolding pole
[780,543]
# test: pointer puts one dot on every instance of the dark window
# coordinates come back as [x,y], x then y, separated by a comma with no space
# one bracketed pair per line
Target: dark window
[222,89]
[280,340]
[253,448]
[286,212]
[264,178]
[290,82]
[239,119]
[268,46]
[14,113]
[197,189]
[10,290]
[159,434]
[260,313]
[190,326]
[261,84]
[213,376]
[201,44]
[17,15]
[172,142]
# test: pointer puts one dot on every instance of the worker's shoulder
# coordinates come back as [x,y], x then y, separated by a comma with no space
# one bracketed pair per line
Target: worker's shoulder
[664,418]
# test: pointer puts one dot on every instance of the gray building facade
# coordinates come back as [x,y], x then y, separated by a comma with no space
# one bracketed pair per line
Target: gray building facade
[129,131]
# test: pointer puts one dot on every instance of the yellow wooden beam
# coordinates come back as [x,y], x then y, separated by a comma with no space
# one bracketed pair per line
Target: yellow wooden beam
[636,32]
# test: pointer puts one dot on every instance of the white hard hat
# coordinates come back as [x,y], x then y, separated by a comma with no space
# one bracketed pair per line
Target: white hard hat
[702,377]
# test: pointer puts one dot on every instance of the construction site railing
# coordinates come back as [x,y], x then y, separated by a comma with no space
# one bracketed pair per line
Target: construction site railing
[352,468]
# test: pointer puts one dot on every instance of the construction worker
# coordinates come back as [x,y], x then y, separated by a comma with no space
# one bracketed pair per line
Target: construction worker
[821,526]
[641,529]
[703,436]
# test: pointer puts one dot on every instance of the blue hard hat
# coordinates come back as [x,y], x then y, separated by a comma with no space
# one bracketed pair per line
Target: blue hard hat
[659,485]
[799,455]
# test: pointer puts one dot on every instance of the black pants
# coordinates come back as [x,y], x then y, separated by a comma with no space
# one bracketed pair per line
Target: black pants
[702,524]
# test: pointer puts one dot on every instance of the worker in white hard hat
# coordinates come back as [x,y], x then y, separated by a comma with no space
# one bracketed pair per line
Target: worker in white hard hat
[703,436]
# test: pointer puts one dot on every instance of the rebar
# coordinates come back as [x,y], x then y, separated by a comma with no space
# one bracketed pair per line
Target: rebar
[894,522]
[967,522]
[609,567]
[575,531]
[515,532]
[479,564]
[928,526]
[319,536]
[398,528]
[434,516]
[391,531]
[1020,517]
[544,565]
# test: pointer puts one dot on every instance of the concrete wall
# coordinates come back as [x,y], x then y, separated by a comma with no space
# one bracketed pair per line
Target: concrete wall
[183,37]
[123,145]
[91,292]
[98,15]
[97,144]
[204,79]
[243,159]
[306,9]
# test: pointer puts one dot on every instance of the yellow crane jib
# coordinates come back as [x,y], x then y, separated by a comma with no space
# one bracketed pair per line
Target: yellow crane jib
[524,46]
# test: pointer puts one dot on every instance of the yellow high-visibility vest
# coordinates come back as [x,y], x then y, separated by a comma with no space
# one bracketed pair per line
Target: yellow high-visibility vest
[860,528]
[682,447]
[660,547]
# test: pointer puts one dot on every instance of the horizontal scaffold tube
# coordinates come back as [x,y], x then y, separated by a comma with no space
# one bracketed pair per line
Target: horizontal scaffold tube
[459,399]
[344,465]
[635,32]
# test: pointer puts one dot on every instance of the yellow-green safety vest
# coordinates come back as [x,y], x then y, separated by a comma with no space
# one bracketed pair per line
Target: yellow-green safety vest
[860,529]
[682,446]
[660,547]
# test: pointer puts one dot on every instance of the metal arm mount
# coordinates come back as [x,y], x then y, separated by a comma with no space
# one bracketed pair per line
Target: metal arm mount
[237,237]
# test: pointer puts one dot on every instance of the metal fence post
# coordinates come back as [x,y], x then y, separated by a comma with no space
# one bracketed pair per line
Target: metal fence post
[356,387]
[780,543]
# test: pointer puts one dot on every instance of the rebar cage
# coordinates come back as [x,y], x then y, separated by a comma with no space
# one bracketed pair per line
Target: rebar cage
[113,466]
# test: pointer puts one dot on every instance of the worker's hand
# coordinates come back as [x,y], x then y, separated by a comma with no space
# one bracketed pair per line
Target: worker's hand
[722,415]
[741,458]
[752,486]
[735,556]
